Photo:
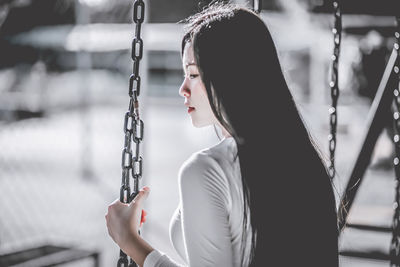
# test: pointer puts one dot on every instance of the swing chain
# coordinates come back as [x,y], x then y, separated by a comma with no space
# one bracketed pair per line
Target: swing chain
[334,85]
[395,244]
[257,6]
[133,126]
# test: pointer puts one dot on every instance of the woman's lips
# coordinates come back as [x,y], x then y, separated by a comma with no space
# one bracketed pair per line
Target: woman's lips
[190,109]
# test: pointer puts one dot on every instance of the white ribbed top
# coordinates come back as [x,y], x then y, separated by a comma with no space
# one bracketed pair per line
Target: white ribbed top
[206,228]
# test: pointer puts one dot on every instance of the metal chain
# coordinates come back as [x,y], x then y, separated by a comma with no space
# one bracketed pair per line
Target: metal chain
[133,125]
[257,6]
[395,244]
[334,85]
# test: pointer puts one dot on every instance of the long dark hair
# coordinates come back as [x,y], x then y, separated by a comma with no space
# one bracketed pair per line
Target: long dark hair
[285,183]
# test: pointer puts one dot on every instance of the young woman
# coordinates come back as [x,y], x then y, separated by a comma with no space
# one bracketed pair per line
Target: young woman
[261,196]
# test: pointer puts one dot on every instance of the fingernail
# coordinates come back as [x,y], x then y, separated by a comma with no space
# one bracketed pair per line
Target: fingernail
[146,188]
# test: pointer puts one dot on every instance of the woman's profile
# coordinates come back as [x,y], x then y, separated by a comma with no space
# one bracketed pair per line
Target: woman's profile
[262,195]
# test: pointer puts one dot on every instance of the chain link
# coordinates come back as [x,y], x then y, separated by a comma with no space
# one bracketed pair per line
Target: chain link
[257,6]
[334,85]
[133,126]
[395,244]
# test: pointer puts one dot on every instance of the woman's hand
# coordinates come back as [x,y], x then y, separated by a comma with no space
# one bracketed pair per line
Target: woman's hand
[124,220]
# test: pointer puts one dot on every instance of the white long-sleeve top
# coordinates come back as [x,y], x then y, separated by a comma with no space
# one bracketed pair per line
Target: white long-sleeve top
[206,228]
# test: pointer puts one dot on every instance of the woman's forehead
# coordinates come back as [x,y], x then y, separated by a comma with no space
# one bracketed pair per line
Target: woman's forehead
[188,56]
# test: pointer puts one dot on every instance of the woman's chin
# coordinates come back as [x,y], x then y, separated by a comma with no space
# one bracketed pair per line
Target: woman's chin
[197,124]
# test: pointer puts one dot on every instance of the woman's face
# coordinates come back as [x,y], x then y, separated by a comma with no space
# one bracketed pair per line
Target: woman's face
[194,91]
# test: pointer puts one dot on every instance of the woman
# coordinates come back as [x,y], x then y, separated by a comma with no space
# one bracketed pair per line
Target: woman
[261,196]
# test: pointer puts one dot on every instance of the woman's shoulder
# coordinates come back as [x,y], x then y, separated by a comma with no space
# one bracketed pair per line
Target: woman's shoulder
[202,169]
[211,157]
[206,175]
[202,177]
[200,164]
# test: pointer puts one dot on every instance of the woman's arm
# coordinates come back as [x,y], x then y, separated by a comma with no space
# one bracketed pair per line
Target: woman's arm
[138,249]
[205,199]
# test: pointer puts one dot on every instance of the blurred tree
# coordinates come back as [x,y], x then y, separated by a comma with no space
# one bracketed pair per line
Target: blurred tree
[22,18]
[162,11]
[371,7]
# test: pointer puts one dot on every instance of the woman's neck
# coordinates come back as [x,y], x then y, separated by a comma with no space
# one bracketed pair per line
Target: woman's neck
[225,133]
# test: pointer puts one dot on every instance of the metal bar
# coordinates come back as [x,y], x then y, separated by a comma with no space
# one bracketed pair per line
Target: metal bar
[47,255]
[383,229]
[61,257]
[373,255]
[375,124]
[17,257]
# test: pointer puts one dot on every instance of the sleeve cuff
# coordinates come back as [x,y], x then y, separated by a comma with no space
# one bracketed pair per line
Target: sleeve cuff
[152,258]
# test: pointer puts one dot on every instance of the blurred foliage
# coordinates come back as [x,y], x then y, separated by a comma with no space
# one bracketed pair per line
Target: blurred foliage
[371,7]
[162,11]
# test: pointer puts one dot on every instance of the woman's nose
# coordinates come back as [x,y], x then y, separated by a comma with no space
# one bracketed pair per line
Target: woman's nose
[184,91]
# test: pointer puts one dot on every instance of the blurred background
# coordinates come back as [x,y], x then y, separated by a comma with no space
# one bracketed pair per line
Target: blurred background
[64,73]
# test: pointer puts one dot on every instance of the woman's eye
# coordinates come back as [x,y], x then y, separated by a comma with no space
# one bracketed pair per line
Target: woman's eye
[190,76]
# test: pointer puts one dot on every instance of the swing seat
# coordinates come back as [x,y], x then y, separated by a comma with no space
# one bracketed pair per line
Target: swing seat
[47,255]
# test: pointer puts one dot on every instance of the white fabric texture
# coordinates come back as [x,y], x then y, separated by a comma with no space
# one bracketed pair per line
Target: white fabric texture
[206,228]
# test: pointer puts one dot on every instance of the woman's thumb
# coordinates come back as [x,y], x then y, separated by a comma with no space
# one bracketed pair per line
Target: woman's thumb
[143,194]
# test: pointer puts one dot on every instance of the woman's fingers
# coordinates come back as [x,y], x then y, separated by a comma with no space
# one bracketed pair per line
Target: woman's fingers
[137,203]
[142,195]
[123,219]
